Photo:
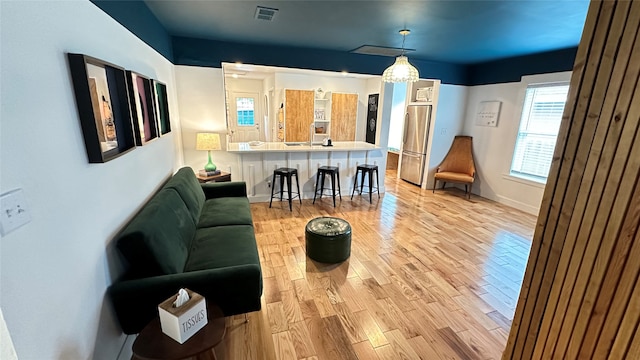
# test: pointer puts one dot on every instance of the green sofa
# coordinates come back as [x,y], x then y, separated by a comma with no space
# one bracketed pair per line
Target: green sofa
[192,235]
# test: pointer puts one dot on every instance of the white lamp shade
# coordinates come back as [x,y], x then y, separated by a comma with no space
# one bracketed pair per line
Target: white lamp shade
[208,141]
[401,71]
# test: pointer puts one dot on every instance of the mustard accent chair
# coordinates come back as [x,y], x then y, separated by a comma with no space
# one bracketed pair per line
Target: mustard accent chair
[457,166]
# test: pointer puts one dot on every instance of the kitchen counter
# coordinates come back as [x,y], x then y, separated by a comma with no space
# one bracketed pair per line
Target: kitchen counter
[300,147]
[255,164]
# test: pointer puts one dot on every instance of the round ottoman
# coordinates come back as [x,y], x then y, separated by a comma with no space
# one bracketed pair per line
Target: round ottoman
[328,239]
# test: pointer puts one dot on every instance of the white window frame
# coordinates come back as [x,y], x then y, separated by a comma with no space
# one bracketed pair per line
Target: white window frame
[553,79]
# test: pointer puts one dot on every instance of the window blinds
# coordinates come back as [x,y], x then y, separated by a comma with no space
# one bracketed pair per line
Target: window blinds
[539,125]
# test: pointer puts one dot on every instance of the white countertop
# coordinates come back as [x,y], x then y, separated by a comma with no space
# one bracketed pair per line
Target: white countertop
[303,147]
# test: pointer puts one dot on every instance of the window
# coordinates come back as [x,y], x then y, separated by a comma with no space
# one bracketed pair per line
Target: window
[245,111]
[539,125]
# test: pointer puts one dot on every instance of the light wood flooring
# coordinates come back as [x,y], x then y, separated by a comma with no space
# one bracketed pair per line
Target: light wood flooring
[431,276]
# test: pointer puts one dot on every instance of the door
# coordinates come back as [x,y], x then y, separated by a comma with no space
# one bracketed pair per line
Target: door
[416,128]
[412,167]
[246,117]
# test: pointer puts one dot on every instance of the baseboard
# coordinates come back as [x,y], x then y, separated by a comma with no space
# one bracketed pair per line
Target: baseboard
[533,210]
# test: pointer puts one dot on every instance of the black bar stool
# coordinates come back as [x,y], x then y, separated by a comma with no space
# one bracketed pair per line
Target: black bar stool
[365,169]
[282,173]
[334,172]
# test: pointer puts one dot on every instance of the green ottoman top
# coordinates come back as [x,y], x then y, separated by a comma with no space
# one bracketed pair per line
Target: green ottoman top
[328,226]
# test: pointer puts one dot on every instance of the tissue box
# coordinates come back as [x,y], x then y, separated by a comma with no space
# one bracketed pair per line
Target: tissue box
[181,323]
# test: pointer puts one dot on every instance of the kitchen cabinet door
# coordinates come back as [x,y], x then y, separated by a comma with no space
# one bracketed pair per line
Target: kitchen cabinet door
[298,112]
[344,112]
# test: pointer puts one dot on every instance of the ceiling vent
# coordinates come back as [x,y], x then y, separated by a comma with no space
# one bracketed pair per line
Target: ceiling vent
[380,50]
[265,13]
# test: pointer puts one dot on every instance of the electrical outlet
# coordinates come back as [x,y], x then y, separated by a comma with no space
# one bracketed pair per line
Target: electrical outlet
[13,211]
[268,184]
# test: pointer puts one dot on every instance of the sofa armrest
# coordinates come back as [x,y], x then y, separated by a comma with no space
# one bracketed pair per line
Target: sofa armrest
[136,301]
[225,189]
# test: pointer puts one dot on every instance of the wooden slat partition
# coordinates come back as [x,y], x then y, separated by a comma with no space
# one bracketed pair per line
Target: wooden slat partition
[580,297]
[298,112]
[344,112]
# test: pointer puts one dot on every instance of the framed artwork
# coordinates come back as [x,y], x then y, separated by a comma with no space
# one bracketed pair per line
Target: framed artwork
[161,106]
[488,113]
[103,107]
[145,127]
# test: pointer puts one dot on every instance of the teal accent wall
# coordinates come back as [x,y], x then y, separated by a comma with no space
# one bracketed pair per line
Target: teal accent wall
[512,69]
[210,53]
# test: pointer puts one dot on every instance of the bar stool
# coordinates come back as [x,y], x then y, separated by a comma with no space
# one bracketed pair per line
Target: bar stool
[365,169]
[282,173]
[334,172]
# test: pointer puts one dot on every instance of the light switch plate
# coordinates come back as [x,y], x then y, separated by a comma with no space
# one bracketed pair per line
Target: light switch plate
[13,211]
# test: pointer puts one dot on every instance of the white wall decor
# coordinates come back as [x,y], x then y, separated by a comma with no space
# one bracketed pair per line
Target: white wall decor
[488,113]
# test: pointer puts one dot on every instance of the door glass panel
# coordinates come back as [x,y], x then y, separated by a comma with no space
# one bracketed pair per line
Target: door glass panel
[245,109]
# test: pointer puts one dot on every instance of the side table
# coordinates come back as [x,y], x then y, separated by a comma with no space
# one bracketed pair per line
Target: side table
[222,177]
[153,344]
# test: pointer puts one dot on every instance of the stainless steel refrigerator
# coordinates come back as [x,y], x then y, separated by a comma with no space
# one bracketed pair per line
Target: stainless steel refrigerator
[414,142]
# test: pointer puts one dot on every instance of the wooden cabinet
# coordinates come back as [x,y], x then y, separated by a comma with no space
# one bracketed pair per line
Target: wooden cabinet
[333,116]
[298,113]
[344,112]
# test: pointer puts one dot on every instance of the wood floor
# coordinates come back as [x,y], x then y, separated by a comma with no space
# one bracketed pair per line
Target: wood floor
[431,276]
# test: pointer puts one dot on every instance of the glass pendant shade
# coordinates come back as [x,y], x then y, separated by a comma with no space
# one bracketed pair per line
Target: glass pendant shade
[400,71]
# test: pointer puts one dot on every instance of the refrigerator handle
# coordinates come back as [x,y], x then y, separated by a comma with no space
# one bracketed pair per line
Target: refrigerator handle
[404,134]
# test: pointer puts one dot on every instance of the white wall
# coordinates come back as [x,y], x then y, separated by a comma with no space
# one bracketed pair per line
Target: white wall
[447,123]
[202,109]
[55,270]
[493,146]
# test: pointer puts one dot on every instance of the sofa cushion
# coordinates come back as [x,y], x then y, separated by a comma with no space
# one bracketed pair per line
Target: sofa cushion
[225,211]
[157,240]
[222,246]
[186,184]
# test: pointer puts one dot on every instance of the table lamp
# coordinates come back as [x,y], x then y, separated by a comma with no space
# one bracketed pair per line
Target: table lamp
[208,141]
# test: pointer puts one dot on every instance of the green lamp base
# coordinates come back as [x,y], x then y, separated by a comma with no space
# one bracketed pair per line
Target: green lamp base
[210,165]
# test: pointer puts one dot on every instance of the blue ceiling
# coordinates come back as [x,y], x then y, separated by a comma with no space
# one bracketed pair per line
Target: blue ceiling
[452,31]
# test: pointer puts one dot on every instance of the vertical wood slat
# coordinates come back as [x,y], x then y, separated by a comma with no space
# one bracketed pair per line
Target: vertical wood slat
[572,210]
[554,191]
[622,288]
[584,274]
[590,191]
[596,299]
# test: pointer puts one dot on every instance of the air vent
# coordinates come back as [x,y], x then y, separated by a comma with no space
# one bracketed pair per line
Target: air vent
[265,13]
[380,50]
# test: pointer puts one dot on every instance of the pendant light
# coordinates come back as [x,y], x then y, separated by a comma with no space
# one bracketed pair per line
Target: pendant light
[401,70]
